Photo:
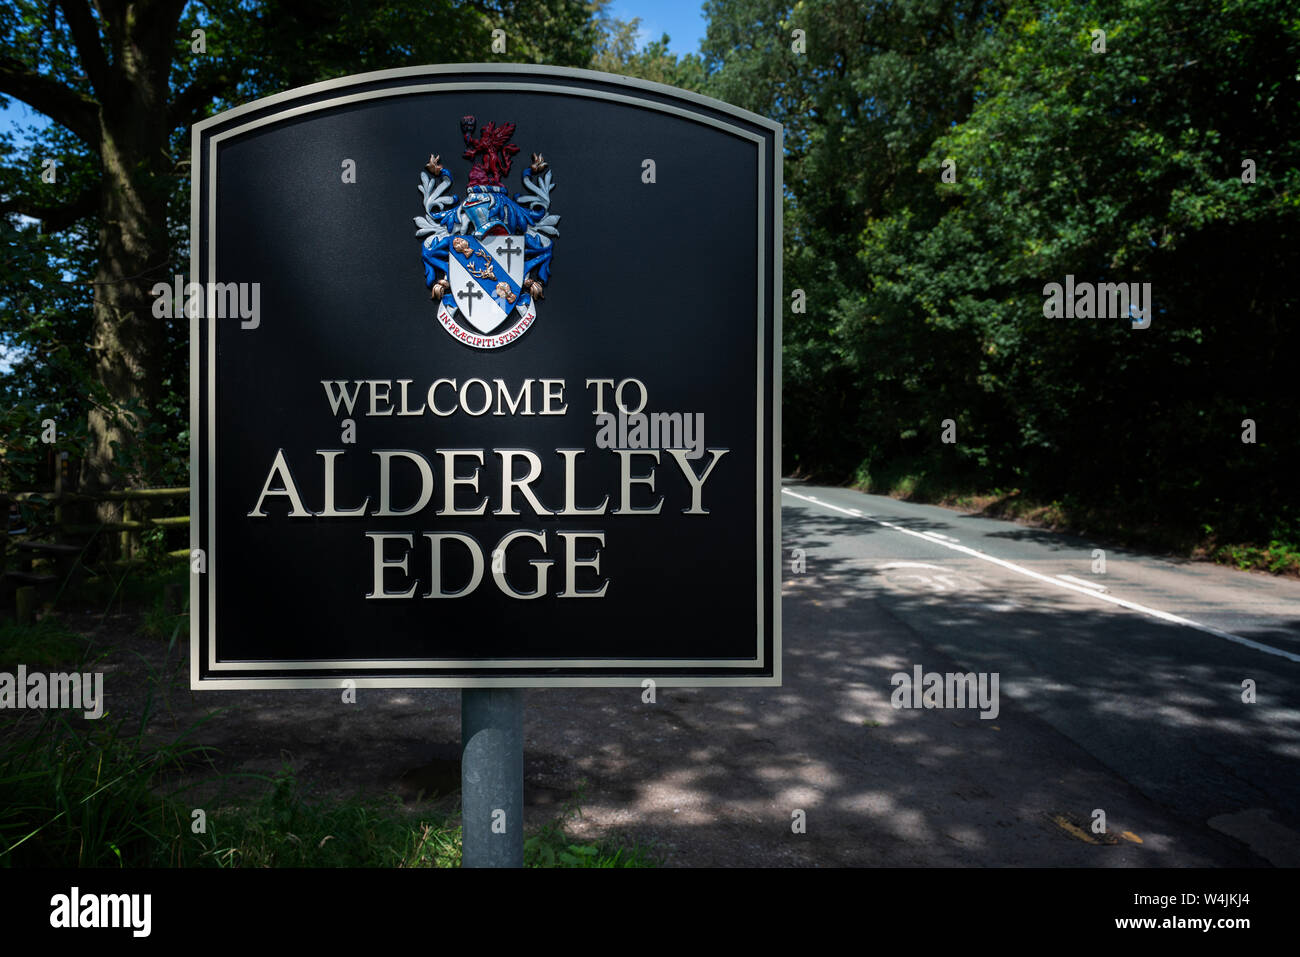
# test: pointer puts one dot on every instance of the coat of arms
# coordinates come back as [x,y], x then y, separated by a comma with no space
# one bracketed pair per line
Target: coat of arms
[487,258]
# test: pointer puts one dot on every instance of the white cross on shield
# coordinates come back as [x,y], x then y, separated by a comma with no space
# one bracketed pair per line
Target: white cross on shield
[478,269]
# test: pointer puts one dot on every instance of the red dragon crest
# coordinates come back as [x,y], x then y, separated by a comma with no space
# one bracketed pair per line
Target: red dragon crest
[490,153]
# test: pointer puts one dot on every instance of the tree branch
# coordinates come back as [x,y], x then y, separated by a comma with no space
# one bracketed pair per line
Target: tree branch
[187,106]
[85,34]
[55,218]
[65,106]
[169,10]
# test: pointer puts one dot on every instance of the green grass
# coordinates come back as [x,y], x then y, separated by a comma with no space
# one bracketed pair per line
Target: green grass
[86,794]
[82,793]
[44,644]
[158,622]
[914,480]
[552,846]
[1280,558]
[918,482]
[133,587]
[284,829]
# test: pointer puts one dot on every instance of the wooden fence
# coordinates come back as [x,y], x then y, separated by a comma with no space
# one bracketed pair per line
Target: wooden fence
[78,534]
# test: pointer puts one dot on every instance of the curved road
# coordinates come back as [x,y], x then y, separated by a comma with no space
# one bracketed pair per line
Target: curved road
[1124,689]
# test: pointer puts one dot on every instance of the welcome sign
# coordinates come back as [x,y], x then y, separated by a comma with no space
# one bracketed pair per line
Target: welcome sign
[485,385]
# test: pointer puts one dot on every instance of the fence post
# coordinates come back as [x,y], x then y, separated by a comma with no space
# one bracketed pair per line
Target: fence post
[124,537]
[58,493]
[25,603]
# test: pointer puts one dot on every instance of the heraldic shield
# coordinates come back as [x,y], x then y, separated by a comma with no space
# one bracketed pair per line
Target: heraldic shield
[486,278]
[487,258]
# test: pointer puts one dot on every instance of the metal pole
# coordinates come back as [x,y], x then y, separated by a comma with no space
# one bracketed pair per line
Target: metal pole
[492,777]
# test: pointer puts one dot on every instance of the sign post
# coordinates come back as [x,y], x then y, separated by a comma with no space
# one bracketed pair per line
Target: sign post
[492,777]
[485,394]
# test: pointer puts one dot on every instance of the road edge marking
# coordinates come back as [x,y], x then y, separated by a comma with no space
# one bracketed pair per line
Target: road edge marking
[1079,589]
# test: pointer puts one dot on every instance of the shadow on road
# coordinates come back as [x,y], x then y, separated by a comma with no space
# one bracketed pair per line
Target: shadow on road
[1098,709]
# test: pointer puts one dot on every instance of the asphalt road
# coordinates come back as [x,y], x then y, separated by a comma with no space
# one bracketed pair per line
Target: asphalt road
[1132,678]
[1126,701]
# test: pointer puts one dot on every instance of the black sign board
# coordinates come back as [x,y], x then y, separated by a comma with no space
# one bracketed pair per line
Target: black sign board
[485,385]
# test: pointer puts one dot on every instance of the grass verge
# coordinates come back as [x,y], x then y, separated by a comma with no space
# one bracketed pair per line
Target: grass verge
[44,644]
[97,797]
[85,793]
[1279,556]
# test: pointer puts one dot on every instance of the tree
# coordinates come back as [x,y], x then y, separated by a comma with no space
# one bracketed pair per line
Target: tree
[122,81]
[618,53]
[862,89]
[947,160]
[1116,167]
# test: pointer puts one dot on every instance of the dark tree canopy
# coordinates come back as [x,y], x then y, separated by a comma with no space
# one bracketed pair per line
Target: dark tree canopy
[122,82]
[925,297]
[946,160]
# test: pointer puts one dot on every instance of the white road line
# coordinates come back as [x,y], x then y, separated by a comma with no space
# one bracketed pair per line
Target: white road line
[1100,596]
[1084,582]
[816,501]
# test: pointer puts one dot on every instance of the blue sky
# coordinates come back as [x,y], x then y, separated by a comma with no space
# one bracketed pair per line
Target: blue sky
[18,114]
[683,20]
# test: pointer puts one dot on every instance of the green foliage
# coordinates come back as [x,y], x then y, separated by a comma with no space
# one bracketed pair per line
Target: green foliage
[284,829]
[42,644]
[100,793]
[159,622]
[91,795]
[84,796]
[1281,556]
[925,298]
[95,797]
[134,586]
[552,846]
[860,110]
[255,49]
[250,50]
[618,53]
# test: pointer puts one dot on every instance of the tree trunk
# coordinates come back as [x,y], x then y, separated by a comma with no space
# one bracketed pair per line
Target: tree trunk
[127,342]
